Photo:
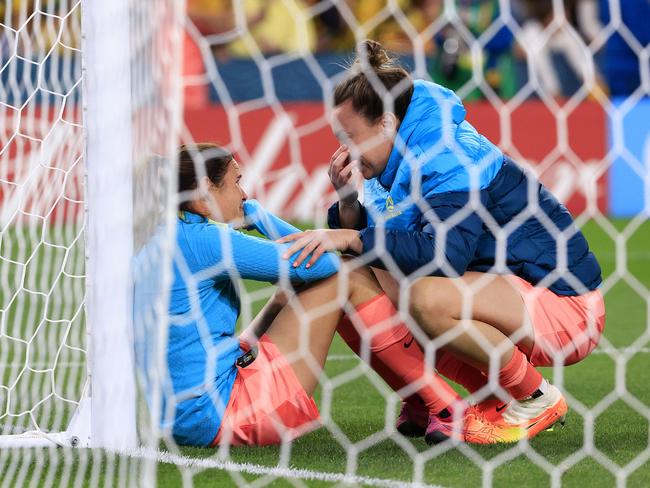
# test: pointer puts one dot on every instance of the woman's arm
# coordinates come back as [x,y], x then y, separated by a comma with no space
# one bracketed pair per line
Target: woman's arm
[350,214]
[265,222]
[348,211]
[264,319]
[221,251]
[410,250]
[310,245]
[347,216]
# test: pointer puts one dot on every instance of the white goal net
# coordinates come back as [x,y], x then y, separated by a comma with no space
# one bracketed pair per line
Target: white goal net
[42,218]
[94,101]
[87,108]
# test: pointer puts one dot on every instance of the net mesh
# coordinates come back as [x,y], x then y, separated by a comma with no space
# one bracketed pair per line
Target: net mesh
[41,174]
[283,149]
[44,333]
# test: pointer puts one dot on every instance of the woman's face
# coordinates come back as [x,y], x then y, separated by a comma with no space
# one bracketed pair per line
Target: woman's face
[227,199]
[370,143]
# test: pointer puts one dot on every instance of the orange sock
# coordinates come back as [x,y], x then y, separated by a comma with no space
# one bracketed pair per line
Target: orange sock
[394,354]
[519,377]
[458,371]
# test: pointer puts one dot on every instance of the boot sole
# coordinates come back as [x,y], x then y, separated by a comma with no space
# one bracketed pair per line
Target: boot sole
[560,422]
[557,417]
[435,438]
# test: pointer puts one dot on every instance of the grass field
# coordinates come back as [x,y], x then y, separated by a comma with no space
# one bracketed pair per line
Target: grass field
[586,456]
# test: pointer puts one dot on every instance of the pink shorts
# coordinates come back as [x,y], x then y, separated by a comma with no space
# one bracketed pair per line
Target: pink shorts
[268,405]
[567,326]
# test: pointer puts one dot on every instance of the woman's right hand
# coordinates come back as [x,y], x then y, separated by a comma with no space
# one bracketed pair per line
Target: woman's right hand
[341,173]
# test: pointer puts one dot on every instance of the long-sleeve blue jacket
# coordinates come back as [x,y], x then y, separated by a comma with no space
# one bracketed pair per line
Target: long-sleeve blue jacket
[448,202]
[203,309]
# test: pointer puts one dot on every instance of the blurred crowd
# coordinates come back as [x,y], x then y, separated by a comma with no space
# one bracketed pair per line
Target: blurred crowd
[581,48]
[578,50]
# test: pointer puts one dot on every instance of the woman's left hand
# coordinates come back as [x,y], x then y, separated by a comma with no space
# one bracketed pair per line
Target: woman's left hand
[317,242]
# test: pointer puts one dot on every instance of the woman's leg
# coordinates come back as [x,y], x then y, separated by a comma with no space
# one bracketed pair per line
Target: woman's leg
[301,334]
[401,367]
[271,399]
[303,330]
[479,324]
[495,311]
[485,323]
[446,364]
[432,408]
[316,312]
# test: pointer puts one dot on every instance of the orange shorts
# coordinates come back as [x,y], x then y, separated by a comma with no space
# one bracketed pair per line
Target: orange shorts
[567,326]
[268,405]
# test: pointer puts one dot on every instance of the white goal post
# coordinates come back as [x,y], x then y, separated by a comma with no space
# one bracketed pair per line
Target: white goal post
[107,119]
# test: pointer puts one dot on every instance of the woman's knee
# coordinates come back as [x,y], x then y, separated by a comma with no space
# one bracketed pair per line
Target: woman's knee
[430,306]
[360,282]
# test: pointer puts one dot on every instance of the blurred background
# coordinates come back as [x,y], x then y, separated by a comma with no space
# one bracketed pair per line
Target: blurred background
[542,79]
[561,86]
[327,30]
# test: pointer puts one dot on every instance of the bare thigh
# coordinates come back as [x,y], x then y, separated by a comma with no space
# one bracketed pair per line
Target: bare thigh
[304,335]
[493,301]
[388,283]
[303,330]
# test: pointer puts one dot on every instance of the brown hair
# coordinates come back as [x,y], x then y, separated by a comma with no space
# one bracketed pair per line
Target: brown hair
[214,158]
[371,59]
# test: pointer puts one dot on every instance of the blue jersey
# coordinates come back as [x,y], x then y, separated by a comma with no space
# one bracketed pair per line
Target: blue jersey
[447,192]
[204,306]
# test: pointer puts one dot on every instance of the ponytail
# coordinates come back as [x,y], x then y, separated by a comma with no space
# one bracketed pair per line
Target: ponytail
[374,62]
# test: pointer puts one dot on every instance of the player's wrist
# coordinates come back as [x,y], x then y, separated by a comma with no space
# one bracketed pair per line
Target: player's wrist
[348,195]
[349,202]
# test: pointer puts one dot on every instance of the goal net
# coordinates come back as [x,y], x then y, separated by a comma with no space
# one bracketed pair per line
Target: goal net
[90,101]
[42,218]
[94,101]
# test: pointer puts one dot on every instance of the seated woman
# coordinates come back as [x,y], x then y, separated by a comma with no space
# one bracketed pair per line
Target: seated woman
[241,390]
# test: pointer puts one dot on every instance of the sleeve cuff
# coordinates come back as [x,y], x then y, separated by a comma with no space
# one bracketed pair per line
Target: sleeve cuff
[333,218]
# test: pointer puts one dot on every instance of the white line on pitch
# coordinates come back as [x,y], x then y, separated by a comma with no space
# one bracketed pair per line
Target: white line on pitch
[257,469]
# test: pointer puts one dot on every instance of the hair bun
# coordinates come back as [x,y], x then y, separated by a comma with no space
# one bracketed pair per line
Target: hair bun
[375,53]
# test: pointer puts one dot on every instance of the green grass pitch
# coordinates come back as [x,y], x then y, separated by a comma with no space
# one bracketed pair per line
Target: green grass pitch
[359,409]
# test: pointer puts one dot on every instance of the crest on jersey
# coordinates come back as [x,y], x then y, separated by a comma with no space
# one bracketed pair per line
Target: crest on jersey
[390,208]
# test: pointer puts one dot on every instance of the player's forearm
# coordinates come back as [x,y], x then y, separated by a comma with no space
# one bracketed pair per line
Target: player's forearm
[354,215]
[264,319]
[349,214]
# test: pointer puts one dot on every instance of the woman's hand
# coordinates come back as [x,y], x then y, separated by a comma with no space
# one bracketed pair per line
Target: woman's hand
[341,173]
[317,242]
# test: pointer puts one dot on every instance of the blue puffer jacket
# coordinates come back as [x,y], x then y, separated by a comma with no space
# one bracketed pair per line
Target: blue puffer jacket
[447,193]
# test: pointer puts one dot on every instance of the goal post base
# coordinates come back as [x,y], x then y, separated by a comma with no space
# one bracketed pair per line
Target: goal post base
[77,434]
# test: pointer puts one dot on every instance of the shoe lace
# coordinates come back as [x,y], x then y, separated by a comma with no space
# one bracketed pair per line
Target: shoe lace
[473,417]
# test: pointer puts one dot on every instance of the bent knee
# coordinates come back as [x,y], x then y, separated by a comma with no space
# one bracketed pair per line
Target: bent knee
[361,283]
[430,306]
